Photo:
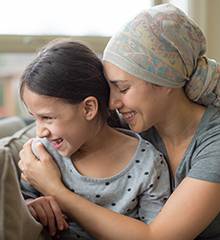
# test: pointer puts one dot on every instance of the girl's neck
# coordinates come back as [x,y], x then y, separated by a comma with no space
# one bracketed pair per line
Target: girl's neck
[96,139]
[106,155]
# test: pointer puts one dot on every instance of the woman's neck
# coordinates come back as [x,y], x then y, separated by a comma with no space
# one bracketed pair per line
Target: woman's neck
[178,128]
[180,122]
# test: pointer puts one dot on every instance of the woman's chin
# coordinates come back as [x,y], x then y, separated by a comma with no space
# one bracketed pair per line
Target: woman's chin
[137,128]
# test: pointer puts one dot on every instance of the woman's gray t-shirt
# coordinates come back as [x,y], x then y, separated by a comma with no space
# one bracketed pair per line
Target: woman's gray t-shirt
[201,160]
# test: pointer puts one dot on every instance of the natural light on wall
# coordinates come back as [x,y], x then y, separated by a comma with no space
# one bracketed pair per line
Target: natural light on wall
[182,4]
[26,25]
[67,17]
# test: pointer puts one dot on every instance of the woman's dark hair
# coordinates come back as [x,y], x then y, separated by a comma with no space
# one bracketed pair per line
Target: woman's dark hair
[68,70]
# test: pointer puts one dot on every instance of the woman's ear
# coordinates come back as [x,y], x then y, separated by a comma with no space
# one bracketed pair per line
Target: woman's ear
[90,108]
[166,90]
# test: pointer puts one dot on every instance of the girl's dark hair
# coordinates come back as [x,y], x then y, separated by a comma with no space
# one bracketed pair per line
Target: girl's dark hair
[68,70]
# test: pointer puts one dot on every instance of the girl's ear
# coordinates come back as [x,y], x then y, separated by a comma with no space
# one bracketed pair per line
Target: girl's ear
[90,108]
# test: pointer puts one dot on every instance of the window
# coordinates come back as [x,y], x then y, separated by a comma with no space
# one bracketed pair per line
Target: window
[26,25]
[67,17]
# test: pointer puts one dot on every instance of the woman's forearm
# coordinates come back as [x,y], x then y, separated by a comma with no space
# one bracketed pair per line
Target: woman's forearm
[100,222]
[105,224]
[169,224]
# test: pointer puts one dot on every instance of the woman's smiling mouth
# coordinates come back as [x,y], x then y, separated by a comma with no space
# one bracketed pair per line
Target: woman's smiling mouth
[128,116]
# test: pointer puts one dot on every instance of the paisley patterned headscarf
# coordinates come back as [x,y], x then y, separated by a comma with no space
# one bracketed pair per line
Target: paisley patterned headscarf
[163,46]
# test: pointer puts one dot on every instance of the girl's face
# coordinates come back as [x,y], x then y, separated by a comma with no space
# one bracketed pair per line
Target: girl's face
[62,123]
[141,104]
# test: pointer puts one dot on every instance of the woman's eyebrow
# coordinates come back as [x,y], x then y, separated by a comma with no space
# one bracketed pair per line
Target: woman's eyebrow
[117,81]
[113,81]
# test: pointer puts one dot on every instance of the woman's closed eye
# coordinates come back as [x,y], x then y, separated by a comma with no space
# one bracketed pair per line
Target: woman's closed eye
[123,90]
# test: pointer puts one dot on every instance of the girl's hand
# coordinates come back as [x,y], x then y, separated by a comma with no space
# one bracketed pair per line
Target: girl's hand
[42,173]
[47,211]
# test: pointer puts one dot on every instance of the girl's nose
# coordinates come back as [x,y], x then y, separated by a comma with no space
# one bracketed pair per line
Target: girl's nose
[41,130]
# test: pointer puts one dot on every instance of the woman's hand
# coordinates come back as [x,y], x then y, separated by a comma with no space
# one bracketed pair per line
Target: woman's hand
[42,173]
[47,211]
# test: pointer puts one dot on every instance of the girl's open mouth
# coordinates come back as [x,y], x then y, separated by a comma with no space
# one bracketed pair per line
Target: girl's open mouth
[57,143]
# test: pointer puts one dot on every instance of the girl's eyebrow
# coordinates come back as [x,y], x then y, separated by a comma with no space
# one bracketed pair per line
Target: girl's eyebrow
[40,114]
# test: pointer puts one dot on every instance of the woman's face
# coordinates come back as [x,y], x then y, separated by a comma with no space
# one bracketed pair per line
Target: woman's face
[140,103]
[62,123]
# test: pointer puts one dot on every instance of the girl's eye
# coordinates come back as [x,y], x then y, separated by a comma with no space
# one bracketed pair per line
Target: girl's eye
[47,118]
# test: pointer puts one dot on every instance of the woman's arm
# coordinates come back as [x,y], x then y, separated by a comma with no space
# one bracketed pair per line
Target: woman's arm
[189,210]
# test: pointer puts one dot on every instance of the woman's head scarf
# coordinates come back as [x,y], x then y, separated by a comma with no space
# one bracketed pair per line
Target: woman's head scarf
[163,46]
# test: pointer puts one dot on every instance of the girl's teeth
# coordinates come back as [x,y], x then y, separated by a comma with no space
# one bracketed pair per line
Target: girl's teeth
[59,140]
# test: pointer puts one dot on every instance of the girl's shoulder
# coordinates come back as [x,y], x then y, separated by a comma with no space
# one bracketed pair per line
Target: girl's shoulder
[145,149]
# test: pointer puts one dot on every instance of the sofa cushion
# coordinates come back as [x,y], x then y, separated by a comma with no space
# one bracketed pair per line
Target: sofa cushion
[9,125]
[16,223]
[14,143]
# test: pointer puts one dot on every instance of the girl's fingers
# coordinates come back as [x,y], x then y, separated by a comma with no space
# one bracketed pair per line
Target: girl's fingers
[33,212]
[51,221]
[66,225]
[61,222]
[41,215]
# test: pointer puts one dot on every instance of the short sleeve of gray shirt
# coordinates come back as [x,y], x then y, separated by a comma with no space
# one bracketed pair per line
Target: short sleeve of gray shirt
[205,149]
[201,160]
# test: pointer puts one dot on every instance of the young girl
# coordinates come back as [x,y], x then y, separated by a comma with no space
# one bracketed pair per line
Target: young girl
[65,90]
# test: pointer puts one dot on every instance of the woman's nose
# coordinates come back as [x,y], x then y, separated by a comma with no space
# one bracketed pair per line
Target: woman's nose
[115,101]
[41,130]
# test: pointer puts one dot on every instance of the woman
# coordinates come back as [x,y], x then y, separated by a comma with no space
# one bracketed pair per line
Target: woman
[161,83]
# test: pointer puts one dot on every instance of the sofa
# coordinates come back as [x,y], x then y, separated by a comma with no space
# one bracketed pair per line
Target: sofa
[16,223]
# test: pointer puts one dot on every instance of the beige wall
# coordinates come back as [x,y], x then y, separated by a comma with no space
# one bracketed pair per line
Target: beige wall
[206,14]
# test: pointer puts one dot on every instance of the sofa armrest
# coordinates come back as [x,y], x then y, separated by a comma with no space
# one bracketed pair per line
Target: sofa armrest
[9,125]
[13,144]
